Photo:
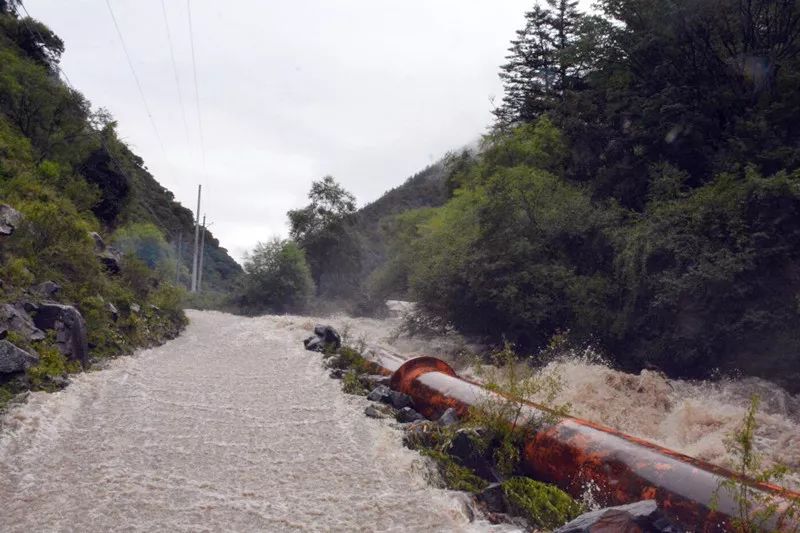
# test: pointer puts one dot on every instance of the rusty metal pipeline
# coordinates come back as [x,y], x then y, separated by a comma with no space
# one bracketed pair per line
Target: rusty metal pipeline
[575,454]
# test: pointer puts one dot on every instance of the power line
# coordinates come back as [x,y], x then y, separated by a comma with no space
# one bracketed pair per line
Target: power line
[175,70]
[34,32]
[99,134]
[136,77]
[196,89]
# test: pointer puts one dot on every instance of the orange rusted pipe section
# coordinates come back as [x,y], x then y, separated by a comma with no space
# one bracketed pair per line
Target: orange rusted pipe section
[577,455]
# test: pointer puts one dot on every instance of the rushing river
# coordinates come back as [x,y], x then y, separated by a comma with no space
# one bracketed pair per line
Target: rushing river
[234,427]
[231,427]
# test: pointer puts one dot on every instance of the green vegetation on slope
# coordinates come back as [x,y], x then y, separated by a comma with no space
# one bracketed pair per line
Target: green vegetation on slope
[64,169]
[640,191]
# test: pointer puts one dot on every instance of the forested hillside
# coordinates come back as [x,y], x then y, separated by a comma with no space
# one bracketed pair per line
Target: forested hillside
[639,191]
[84,223]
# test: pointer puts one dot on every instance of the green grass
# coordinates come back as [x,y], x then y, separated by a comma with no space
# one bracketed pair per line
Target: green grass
[352,385]
[543,505]
[455,476]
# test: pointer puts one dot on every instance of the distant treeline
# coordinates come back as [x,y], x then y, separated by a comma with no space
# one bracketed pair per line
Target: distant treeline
[639,191]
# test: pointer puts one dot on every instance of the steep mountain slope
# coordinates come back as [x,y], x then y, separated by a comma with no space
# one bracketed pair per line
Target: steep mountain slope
[426,188]
[87,255]
[77,149]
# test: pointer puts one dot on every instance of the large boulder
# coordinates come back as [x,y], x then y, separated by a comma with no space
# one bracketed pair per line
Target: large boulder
[448,418]
[494,499]
[113,311]
[400,400]
[108,255]
[324,338]
[99,243]
[14,359]
[16,318]
[328,334]
[47,289]
[466,447]
[642,516]
[70,329]
[407,414]
[111,259]
[381,393]
[10,219]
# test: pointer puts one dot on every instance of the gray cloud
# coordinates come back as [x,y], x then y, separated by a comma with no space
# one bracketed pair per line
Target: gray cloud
[369,91]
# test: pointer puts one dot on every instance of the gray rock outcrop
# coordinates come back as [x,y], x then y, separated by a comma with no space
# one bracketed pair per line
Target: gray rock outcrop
[16,318]
[47,289]
[14,359]
[108,255]
[10,219]
[381,393]
[324,338]
[639,516]
[407,414]
[70,329]
[448,418]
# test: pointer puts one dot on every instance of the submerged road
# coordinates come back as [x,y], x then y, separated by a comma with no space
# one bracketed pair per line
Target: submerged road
[230,427]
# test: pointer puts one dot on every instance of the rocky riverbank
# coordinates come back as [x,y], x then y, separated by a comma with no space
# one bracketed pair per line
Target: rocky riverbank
[48,333]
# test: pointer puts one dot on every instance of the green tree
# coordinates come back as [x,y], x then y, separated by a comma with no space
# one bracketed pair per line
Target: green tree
[544,62]
[277,278]
[324,229]
[330,205]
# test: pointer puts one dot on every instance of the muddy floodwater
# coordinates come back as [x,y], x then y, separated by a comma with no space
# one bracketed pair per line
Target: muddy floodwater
[234,427]
[231,427]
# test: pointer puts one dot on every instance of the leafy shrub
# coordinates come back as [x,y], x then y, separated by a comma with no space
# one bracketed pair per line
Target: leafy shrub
[145,242]
[5,396]
[346,358]
[352,385]
[16,272]
[708,278]
[52,364]
[278,279]
[505,419]
[756,510]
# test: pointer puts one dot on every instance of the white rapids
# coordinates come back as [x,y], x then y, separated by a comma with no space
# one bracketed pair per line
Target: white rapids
[230,427]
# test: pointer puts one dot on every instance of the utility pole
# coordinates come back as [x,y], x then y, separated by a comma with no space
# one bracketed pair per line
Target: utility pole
[178,260]
[196,241]
[202,255]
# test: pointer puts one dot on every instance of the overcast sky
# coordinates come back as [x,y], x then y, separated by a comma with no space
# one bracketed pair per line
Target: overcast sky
[370,91]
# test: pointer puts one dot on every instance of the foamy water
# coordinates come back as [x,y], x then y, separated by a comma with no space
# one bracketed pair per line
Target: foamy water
[231,427]
[695,418]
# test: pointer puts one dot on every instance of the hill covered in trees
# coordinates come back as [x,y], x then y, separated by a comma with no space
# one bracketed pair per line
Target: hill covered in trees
[84,212]
[639,191]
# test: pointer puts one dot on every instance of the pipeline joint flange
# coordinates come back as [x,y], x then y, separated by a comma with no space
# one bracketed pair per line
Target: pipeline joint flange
[413,368]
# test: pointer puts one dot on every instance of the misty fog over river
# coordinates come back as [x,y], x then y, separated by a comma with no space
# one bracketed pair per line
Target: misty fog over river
[233,426]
